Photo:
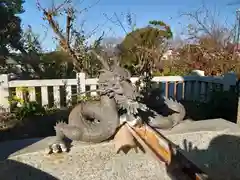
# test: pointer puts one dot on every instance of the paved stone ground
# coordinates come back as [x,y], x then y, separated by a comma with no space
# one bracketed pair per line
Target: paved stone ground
[214,145]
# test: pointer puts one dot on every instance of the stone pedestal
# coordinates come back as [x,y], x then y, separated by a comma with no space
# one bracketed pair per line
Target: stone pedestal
[214,145]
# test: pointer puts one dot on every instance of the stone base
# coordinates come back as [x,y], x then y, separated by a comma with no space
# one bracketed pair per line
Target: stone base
[213,145]
[87,162]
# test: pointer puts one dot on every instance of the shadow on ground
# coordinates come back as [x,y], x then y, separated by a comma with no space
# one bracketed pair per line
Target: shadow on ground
[9,147]
[221,160]
[10,170]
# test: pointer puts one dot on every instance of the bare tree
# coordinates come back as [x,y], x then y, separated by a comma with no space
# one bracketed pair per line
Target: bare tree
[71,39]
[209,45]
[205,23]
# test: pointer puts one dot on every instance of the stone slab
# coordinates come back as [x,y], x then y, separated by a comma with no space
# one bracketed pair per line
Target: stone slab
[16,147]
[214,145]
[90,162]
[189,126]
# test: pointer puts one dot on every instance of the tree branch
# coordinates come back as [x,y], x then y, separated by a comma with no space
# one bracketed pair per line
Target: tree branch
[69,24]
[63,41]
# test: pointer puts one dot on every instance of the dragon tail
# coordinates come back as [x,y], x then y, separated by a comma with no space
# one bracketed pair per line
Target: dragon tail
[176,106]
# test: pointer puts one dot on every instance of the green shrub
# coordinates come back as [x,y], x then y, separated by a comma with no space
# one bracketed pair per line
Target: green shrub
[223,104]
[29,109]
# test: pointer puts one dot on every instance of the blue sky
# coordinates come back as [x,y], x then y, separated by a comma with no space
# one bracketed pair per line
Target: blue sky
[144,10]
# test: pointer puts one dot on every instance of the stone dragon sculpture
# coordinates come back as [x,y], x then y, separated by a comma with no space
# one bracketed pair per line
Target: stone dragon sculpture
[97,121]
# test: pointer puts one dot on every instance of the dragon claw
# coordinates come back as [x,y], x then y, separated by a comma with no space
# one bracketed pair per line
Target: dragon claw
[57,148]
[63,147]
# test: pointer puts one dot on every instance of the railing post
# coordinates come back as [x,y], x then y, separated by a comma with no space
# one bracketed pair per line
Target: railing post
[238,109]
[198,72]
[82,82]
[4,92]
[229,79]
[194,96]
[238,101]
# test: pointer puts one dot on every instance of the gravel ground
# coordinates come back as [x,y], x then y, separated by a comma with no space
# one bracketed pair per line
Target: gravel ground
[91,162]
[215,151]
